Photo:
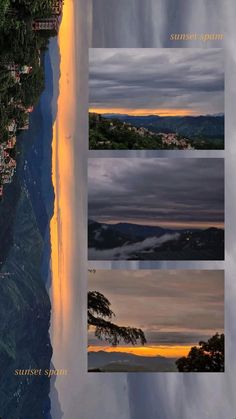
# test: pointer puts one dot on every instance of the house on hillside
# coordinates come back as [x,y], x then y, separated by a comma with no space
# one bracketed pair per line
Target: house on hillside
[46,24]
[11,142]
[25,69]
[57,6]
[12,127]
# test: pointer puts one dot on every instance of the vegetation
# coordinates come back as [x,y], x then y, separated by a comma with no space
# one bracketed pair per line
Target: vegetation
[207,357]
[24,308]
[138,133]
[206,143]
[20,46]
[21,68]
[16,11]
[99,316]
[115,135]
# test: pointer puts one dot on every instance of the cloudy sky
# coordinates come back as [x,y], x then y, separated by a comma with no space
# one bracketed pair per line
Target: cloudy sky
[168,192]
[173,307]
[156,81]
[136,23]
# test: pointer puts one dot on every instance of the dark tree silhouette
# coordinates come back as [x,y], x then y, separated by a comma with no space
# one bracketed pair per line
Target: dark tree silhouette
[208,357]
[99,316]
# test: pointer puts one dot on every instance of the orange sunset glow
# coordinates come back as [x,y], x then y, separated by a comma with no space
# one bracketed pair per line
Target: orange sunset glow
[61,227]
[144,112]
[169,224]
[151,351]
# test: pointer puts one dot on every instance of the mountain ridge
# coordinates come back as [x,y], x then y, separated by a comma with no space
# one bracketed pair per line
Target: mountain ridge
[102,361]
[154,132]
[135,242]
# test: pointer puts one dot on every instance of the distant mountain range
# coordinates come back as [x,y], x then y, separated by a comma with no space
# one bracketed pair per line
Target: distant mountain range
[153,132]
[211,126]
[126,241]
[102,361]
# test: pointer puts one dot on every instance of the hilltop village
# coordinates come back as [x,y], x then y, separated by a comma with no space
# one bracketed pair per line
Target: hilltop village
[21,71]
[7,147]
[114,134]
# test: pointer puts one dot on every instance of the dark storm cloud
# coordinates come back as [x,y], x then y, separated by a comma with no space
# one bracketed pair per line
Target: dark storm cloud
[156,190]
[172,307]
[157,78]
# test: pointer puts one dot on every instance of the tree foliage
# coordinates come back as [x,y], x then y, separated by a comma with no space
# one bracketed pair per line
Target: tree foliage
[118,136]
[100,315]
[207,357]
[20,45]
[114,134]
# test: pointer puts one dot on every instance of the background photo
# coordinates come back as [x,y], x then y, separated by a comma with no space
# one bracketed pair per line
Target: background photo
[155,209]
[156,99]
[153,320]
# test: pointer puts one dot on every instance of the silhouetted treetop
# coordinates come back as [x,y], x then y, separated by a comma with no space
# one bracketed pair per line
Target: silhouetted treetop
[99,315]
[207,357]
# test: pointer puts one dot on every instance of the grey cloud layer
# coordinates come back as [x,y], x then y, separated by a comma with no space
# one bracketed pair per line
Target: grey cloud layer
[158,78]
[136,23]
[156,189]
[172,307]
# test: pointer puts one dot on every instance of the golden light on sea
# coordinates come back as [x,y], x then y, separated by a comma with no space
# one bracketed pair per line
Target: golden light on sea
[61,227]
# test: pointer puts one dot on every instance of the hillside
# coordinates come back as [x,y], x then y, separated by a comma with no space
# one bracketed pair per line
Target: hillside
[124,241]
[22,77]
[25,316]
[114,134]
[21,71]
[124,362]
[198,132]
[25,308]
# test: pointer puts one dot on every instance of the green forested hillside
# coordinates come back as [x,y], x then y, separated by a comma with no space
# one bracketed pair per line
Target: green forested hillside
[125,132]
[113,134]
[20,46]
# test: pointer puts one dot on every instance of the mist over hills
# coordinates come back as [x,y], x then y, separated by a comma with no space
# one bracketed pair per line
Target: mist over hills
[126,241]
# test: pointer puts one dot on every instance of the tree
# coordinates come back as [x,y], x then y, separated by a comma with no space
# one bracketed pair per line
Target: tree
[207,357]
[99,316]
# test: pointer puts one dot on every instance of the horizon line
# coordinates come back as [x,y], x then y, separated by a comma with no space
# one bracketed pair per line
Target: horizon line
[159,114]
[170,225]
[150,351]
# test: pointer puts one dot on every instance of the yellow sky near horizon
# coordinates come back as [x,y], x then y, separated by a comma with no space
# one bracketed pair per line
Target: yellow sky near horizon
[61,224]
[144,112]
[166,224]
[150,351]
